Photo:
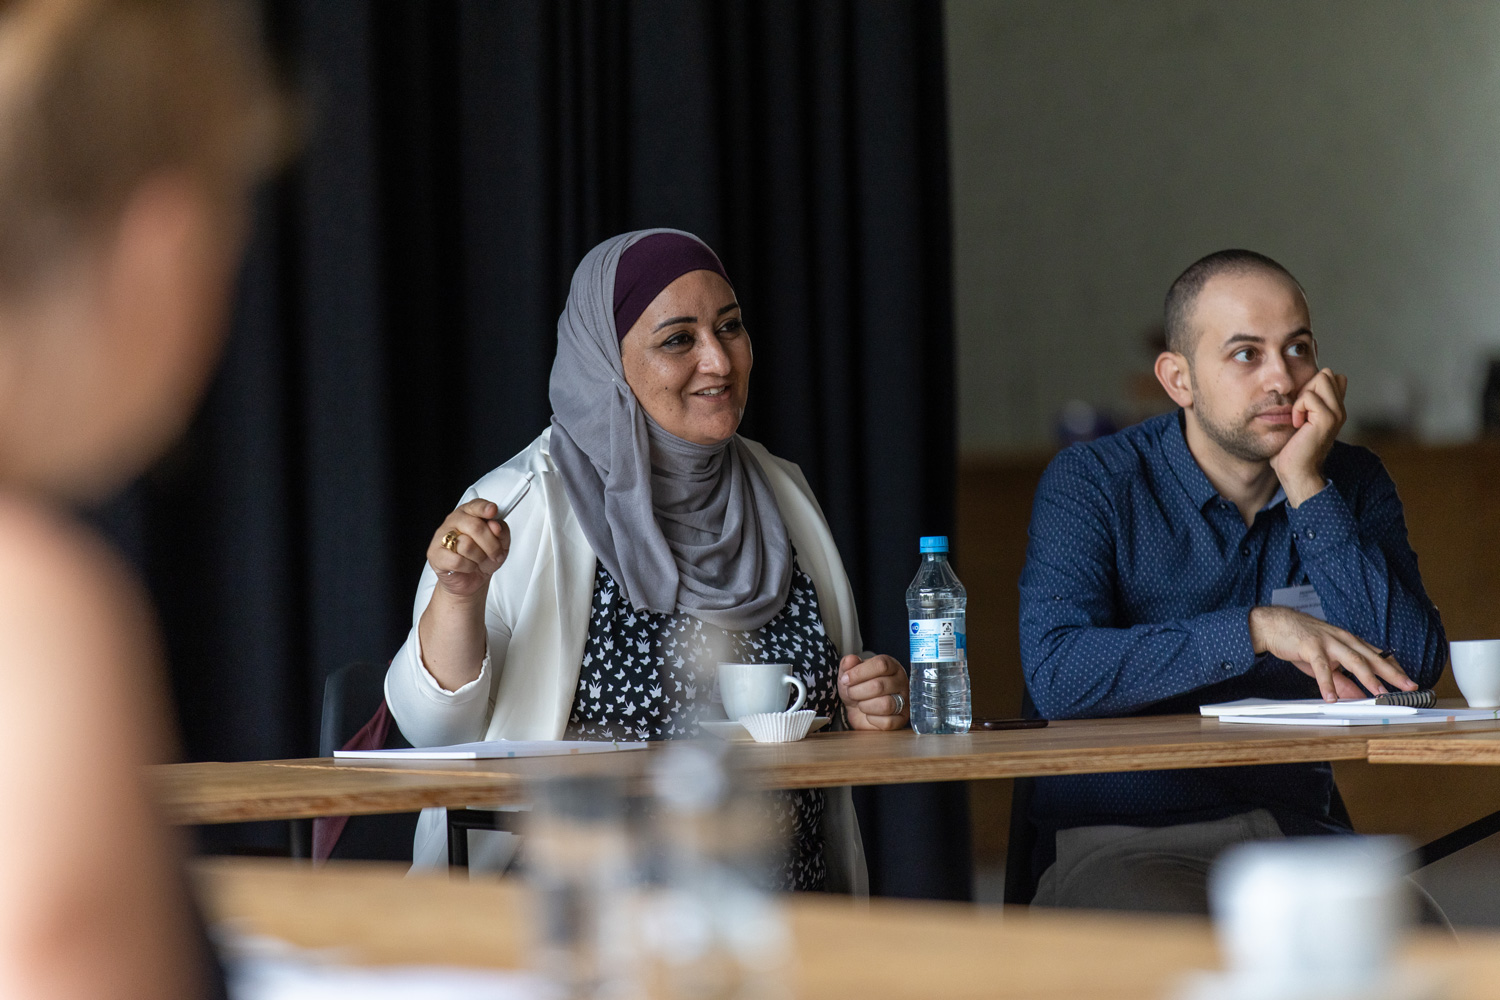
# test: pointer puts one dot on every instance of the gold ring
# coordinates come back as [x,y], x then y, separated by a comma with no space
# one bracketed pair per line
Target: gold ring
[450,540]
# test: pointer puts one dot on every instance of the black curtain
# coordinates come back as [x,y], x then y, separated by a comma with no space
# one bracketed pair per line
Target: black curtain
[396,321]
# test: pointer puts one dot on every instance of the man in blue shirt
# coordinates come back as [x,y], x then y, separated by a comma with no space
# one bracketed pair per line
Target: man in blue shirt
[1230,549]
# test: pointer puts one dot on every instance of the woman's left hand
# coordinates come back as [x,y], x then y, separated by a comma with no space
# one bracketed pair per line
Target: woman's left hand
[875,692]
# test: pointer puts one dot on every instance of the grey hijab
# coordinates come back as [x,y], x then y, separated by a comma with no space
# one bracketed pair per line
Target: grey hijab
[681,527]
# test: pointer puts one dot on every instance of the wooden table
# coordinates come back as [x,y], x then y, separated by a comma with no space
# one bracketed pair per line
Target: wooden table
[1438,748]
[261,790]
[240,792]
[883,951]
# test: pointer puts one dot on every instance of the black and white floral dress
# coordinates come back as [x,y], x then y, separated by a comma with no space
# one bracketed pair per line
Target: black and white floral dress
[651,676]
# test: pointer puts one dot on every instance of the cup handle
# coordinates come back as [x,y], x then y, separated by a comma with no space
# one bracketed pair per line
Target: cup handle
[801,691]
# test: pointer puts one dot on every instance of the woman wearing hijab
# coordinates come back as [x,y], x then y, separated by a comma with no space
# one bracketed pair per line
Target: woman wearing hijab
[588,587]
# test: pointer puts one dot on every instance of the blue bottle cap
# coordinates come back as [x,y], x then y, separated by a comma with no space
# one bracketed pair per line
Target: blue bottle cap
[934,543]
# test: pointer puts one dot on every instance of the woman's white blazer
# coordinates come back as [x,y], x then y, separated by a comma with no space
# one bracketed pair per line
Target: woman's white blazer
[537,621]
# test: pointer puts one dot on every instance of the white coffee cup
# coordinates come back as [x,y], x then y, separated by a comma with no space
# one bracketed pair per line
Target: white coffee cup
[1476,667]
[1273,900]
[748,688]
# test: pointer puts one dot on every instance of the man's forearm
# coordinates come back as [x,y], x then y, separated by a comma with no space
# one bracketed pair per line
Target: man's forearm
[1084,671]
[1367,580]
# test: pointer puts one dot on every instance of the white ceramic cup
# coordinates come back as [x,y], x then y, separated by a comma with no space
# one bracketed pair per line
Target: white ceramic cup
[1274,900]
[1476,667]
[748,688]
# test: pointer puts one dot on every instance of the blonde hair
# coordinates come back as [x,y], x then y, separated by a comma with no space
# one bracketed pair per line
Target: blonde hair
[96,96]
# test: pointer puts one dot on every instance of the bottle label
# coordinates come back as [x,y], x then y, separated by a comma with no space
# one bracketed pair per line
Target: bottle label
[936,640]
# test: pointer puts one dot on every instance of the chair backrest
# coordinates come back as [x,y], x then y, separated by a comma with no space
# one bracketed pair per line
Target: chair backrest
[1020,881]
[351,696]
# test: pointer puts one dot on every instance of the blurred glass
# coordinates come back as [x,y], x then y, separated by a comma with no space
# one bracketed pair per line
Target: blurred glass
[663,896]
[578,862]
[710,929]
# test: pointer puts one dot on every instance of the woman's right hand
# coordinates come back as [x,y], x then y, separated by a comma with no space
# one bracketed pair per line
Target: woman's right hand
[482,545]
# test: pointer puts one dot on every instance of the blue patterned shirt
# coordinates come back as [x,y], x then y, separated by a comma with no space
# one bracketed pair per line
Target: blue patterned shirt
[1136,596]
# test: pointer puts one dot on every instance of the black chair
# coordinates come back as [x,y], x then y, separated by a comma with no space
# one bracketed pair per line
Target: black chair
[461,821]
[1021,872]
[353,696]
[1020,850]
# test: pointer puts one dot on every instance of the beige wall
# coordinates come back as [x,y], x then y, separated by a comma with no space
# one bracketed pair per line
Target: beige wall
[1100,146]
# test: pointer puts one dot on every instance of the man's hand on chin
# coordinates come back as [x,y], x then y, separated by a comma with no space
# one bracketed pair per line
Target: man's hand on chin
[1317,415]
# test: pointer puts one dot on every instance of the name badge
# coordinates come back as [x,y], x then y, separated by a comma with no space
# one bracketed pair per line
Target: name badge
[1304,599]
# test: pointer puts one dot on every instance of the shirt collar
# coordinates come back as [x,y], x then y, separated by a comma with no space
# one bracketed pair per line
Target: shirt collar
[1190,473]
[1185,466]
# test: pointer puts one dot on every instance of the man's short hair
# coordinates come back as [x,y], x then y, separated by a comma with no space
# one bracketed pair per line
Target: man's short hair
[1183,295]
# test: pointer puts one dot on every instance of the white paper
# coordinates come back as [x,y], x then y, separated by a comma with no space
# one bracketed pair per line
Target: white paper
[261,968]
[1304,599]
[491,750]
[270,979]
[1387,715]
[1302,706]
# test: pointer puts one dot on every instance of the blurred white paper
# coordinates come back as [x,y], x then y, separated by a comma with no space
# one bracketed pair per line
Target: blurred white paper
[491,750]
[264,968]
[291,979]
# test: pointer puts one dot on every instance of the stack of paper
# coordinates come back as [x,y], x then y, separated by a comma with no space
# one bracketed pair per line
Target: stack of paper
[1292,706]
[1316,712]
[492,749]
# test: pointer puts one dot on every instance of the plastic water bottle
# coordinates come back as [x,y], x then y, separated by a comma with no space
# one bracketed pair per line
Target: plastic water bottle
[935,601]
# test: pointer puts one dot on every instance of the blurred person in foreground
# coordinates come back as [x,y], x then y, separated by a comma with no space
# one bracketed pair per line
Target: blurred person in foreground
[588,587]
[130,134]
[1230,549]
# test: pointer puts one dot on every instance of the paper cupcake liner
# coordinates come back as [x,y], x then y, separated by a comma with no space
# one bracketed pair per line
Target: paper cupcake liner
[778,727]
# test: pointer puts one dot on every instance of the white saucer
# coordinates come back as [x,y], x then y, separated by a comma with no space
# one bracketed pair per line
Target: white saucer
[731,730]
